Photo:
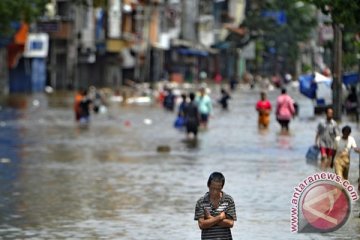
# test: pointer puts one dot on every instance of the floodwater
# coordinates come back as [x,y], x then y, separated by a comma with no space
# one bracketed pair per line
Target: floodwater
[107,181]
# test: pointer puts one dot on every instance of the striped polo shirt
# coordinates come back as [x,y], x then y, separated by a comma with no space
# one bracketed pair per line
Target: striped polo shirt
[227,205]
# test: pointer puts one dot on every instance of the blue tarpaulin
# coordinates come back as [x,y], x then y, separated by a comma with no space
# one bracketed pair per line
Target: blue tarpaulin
[278,16]
[351,78]
[308,86]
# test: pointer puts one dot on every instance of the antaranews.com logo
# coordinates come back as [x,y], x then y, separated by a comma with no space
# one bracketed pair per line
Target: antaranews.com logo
[321,203]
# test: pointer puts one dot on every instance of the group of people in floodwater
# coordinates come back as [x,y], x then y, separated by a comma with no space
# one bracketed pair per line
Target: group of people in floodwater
[193,113]
[334,146]
[195,109]
[286,109]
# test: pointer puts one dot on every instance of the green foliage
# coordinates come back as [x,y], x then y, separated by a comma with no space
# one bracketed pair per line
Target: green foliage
[27,11]
[19,10]
[306,68]
[349,62]
[283,38]
[100,3]
[345,12]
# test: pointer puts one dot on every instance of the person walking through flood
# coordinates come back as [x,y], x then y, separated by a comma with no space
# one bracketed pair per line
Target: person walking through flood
[205,107]
[343,145]
[284,110]
[263,106]
[77,100]
[85,107]
[169,100]
[215,211]
[181,109]
[224,98]
[180,118]
[192,117]
[327,131]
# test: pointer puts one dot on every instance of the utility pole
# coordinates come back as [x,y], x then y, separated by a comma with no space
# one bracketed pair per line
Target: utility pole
[358,90]
[4,75]
[139,22]
[148,17]
[337,80]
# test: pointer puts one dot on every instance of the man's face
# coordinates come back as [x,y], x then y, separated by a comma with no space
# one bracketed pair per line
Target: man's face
[215,189]
[346,134]
[329,114]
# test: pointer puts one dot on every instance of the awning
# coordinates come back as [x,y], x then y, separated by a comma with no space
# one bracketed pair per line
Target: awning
[351,78]
[307,86]
[197,47]
[192,52]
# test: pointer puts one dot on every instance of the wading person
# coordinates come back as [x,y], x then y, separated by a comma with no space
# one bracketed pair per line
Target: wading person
[284,110]
[169,100]
[343,145]
[77,100]
[205,107]
[192,117]
[327,131]
[85,106]
[215,211]
[263,106]
[225,97]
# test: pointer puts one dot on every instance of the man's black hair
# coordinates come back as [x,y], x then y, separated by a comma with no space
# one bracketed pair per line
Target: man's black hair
[283,90]
[216,177]
[346,129]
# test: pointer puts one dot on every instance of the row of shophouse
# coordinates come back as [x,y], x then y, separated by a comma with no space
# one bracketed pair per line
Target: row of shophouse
[75,46]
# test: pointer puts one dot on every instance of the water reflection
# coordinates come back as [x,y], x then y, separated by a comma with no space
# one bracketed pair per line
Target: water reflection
[191,143]
[109,182]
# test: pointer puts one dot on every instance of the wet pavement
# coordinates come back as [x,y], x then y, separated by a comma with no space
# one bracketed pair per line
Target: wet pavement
[107,181]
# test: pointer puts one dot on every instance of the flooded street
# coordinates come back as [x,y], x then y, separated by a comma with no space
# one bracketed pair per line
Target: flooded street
[59,181]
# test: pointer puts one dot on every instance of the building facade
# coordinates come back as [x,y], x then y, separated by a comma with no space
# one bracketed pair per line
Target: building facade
[111,42]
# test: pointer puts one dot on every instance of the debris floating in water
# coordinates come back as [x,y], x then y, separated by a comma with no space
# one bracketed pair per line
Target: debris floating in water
[147,121]
[36,103]
[163,148]
[5,160]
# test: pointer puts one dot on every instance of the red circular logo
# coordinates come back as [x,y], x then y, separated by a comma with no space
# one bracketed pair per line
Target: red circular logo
[326,206]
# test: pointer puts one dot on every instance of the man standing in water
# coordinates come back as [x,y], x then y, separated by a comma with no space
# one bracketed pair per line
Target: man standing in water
[215,211]
[343,145]
[325,138]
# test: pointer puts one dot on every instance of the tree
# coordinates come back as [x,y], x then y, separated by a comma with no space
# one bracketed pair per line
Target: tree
[17,11]
[27,11]
[280,39]
[345,19]
[342,12]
